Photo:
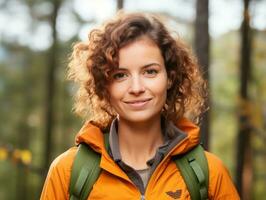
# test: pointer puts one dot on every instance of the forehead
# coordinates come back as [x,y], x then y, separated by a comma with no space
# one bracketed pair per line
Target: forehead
[140,52]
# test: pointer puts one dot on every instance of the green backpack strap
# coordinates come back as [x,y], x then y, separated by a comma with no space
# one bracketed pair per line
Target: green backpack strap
[194,169]
[85,171]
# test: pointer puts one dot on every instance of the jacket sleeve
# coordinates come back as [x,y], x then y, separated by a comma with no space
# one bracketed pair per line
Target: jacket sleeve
[57,181]
[221,186]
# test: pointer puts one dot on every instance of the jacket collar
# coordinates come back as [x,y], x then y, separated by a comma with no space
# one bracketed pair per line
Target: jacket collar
[93,136]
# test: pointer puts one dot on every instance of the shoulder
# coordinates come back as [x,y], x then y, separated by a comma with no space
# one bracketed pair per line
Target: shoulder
[62,165]
[215,163]
[58,177]
[221,185]
[64,160]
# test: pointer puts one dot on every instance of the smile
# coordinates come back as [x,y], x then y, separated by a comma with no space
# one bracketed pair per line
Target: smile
[138,103]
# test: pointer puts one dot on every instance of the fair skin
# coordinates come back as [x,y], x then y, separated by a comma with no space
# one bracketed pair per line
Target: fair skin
[138,93]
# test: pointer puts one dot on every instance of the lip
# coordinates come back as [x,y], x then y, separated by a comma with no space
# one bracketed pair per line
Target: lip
[139,103]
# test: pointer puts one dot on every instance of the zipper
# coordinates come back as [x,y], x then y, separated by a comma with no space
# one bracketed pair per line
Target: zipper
[161,163]
[142,197]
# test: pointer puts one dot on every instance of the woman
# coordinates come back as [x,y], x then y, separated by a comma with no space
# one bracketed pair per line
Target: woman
[139,84]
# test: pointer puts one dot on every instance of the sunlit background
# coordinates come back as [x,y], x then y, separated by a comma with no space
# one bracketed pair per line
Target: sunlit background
[30,46]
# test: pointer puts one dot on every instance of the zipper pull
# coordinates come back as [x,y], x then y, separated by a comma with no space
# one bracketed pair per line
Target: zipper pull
[142,197]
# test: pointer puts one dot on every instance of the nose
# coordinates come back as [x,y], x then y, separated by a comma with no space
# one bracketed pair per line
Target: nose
[136,87]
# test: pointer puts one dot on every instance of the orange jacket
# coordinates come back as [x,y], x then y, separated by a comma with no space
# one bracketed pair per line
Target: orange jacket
[114,184]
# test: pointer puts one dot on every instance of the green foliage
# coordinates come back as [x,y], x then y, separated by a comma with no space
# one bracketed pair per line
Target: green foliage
[23,74]
[226,103]
[224,86]
[7,180]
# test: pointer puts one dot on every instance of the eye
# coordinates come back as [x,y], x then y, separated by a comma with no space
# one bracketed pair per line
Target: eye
[151,72]
[119,75]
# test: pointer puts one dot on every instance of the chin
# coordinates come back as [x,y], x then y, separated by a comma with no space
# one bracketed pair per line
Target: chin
[140,117]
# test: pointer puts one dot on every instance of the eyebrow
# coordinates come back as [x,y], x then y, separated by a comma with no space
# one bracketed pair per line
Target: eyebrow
[142,67]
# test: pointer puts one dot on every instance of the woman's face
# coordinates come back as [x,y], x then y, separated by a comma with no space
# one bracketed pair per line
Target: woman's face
[139,86]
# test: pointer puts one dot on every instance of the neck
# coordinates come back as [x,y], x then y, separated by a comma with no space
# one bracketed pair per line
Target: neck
[138,142]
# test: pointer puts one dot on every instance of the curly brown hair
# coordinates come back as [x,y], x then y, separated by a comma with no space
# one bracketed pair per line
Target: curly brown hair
[92,62]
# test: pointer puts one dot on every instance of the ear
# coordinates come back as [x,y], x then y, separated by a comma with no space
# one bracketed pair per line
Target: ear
[169,84]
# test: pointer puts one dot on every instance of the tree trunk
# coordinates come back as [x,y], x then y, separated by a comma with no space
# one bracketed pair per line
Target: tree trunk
[23,132]
[244,167]
[120,4]
[202,40]
[50,89]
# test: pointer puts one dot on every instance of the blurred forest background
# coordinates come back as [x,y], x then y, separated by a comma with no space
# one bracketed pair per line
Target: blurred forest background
[36,120]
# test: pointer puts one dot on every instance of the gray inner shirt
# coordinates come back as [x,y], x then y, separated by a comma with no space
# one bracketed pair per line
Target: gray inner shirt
[144,175]
[172,136]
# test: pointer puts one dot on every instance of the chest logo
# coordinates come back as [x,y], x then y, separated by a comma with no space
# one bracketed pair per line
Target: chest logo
[174,195]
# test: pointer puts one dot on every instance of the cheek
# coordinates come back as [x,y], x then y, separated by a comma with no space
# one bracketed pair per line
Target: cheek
[159,86]
[159,90]
[116,92]
[163,95]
